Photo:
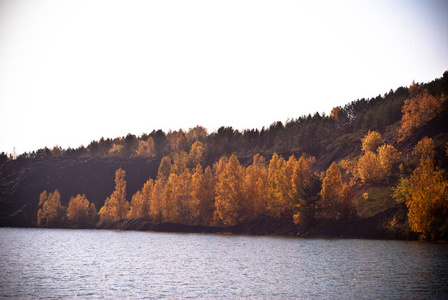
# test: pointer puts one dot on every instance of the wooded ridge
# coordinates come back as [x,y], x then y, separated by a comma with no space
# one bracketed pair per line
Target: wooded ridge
[372,156]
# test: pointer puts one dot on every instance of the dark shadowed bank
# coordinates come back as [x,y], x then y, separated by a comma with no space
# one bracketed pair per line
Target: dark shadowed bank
[367,228]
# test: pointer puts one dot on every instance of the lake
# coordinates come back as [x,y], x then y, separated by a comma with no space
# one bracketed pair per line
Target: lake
[58,263]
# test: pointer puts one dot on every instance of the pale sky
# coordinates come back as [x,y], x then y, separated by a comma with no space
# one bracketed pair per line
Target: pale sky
[75,71]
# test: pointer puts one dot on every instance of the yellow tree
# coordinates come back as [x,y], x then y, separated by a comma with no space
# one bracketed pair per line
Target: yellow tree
[178,205]
[170,212]
[369,167]
[164,170]
[196,153]
[116,150]
[202,193]
[146,148]
[371,141]
[147,192]
[332,192]
[51,211]
[289,168]
[388,157]
[427,197]
[116,206]
[186,204]
[156,203]
[418,110]
[140,203]
[219,167]
[137,206]
[80,211]
[177,140]
[255,186]
[229,193]
[277,186]
[196,133]
[180,162]
[300,178]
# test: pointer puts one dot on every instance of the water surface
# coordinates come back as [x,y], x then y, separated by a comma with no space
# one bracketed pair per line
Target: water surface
[56,263]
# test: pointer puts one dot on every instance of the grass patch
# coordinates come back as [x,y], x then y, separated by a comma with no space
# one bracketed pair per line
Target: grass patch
[373,200]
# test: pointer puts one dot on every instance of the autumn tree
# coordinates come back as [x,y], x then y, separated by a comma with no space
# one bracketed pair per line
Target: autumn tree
[180,162]
[170,213]
[332,192]
[196,133]
[164,170]
[229,193]
[179,205]
[51,211]
[137,206]
[300,178]
[255,186]
[196,153]
[146,148]
[202,193]
[377,162]
[140,202]
[369,167]
[116,206]
[277,191]
[156,203]
[116,150]
[80,212]
[371,141]
[427,196]
[177,140]
[388,158]
[418,110]
[335,112]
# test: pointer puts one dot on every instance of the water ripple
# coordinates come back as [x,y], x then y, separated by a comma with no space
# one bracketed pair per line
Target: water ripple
[51,264]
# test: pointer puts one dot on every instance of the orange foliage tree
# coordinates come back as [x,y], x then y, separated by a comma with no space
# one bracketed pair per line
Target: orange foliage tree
[256,186]
[427,195]
[156,203]
[388,157]
[372,166]
[202,192]
[229,192]
[277,191]
[81,212]
[146,148]
[371,141]
[51,212]
[418,110]
[332,192]
[369,167]
[116,206]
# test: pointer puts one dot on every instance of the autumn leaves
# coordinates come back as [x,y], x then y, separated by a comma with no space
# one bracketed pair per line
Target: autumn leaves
[228,194]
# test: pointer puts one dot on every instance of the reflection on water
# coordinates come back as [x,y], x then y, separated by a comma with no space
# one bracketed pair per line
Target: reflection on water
[45,263]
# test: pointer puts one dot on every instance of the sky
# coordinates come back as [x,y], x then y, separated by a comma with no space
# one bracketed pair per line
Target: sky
[75,71]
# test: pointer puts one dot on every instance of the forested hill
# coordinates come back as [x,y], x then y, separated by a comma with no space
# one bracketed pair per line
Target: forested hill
[398,118]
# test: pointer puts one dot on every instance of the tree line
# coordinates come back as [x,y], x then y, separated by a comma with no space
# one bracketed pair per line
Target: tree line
[310,134]
[227,192]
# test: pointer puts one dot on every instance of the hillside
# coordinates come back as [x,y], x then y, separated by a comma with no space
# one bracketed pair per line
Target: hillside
[23,180]
[321,139]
